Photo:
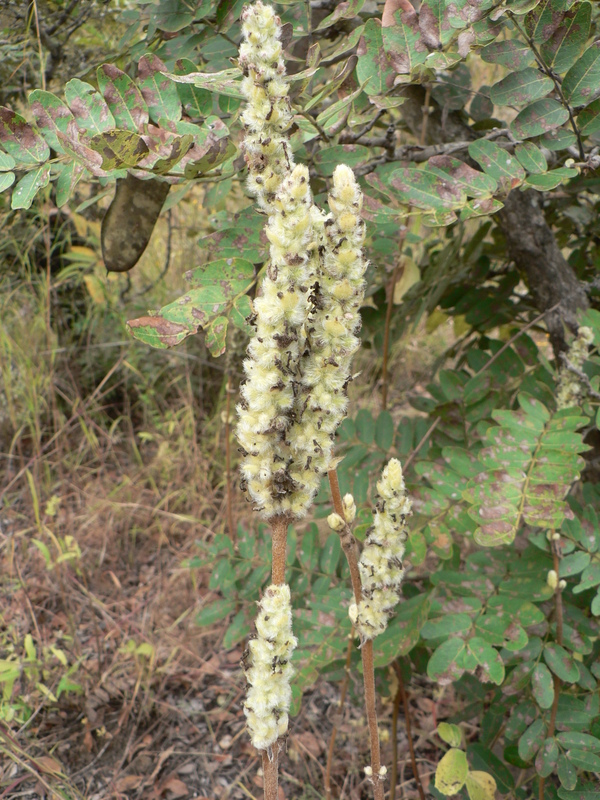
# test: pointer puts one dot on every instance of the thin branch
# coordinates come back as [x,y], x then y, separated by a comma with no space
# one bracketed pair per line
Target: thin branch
[343,693]
[349,547]
[408,723]
[555,81]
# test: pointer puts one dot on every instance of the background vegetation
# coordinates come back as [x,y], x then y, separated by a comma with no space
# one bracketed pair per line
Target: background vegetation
[130,563]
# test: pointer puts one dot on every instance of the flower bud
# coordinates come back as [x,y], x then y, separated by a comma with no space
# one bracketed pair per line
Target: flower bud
[349,508]
[552,579]
[336,523]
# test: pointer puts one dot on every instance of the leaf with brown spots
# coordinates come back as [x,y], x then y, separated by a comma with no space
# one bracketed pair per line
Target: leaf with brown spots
[20,140]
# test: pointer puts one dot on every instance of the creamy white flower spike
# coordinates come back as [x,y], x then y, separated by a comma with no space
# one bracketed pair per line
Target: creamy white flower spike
[267,116]
[332,323]
[380,563]
[268,669]
[266,412]
[570,386]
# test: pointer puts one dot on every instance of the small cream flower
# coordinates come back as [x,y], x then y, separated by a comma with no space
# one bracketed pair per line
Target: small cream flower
[268,669]
[380,563]
[570,387]
[267,116]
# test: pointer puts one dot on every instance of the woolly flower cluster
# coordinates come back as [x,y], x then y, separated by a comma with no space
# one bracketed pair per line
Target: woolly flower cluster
[380,563]
[266,413]
[267,115]
[333,320]
[570,386]
[268,668]
[298,364]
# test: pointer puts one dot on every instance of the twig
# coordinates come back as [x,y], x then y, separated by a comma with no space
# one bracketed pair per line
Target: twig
[388,322]
[228,487]
[411,747]
[39,41]
[343,692]
[349,547]
[555,81]
[556,553]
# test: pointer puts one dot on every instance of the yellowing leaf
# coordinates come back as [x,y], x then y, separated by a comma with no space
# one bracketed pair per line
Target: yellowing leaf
[461,326]
[481,786]
[410,276]
[95,289]
[451,734]
[451,772]
[434,320]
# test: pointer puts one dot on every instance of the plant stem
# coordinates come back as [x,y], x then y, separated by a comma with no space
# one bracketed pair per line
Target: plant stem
[271,773]
[230,524]
[349,547]
[279,526]
[411,747]
[386,333]
[343,692]
[556,554]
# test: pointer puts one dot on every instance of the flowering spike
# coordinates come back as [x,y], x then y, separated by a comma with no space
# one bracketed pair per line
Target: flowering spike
[268,668]
[267,116]
[380,563]
[570,386]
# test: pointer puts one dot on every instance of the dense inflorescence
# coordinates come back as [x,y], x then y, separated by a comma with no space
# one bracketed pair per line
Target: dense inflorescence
[268,669]
[333,321]
[267,116]
[267,410]
[570,385]
[380,563]
[298,364]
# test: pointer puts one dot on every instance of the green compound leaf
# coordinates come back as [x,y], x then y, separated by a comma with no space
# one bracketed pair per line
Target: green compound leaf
[197,103]
[403,631]
[443,665]
[53,118]
[119,148]
[589,578]
[215,612]
[451,772]
[238,629]
[564,47]
[374,69]
[521,87]
[7,162]
[510,53]
[561,663]
[538,118]
[491,666]
[159,92]
[29,185]
[501,165]
[552,179]
[547,757]
[88,107]
[581,84]
[567,773]
[214,289]
[580,741]
[353,155]
[531,157]
[224,82]
[530,462]
[531,741]
[384,430]
[584,760]
[216,336]
[471,181]
[542,686]
[173,15]
[20,140]
[426,190]
[123,98]
[588,120]
[6,180]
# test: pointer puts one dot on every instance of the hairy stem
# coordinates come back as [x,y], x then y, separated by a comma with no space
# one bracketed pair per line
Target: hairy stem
[228,487]
[271,773]
[279,526]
